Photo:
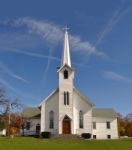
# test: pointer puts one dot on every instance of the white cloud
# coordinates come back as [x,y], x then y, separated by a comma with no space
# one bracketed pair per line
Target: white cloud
[83,46]
[5,69]
[53,33]
[115,76]
[32,54]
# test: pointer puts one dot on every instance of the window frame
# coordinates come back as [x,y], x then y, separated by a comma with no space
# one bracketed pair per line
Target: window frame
[66,98]
[51,119]
[65,74]
[81,119]
[67,94]
[28,125]
[108,136]
[108,125]
[94,136]
[94,125]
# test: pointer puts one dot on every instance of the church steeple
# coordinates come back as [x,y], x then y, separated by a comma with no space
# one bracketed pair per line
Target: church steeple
[66,87]
[66,52]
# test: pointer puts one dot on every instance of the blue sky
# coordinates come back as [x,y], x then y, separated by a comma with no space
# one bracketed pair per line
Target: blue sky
[100,34]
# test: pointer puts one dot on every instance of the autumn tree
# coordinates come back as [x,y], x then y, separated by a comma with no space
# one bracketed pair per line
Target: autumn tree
[121,126]
[125,125]
[9,119]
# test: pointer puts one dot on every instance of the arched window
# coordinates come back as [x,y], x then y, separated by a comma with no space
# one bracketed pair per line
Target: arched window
[65,74]
[51,119]
[67,94]
[66,98]
[80,119]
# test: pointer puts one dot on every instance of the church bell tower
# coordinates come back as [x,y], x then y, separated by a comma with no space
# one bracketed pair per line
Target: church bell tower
[66,77]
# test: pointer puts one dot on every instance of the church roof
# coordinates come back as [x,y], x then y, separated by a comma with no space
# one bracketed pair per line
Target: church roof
[104,113]
[84,97]
[30,112]
[65,65]
[52,93]
[77,91]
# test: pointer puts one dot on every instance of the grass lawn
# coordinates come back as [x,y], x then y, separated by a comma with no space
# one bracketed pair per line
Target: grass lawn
[28,143]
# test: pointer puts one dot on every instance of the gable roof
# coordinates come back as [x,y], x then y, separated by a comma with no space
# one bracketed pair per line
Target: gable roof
[65,65]
[83,97]
[77,91]
[104,113]
[52,93]
[30,112]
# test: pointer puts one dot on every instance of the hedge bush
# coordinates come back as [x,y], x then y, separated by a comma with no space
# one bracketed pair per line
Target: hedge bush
[46,134]
[86,135]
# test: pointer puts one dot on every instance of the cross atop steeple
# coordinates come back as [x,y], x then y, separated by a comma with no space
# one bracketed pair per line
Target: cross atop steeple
[66,52]
[66,28]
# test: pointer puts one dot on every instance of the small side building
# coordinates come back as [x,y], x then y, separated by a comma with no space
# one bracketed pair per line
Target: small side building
[104,123]
[30,124]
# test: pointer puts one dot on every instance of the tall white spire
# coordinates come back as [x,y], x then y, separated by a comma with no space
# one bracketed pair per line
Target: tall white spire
[66,52]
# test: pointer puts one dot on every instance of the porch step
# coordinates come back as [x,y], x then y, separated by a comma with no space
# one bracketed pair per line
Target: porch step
[66,136]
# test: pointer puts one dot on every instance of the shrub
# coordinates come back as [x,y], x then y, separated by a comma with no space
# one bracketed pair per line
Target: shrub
[45,134]
[86,135]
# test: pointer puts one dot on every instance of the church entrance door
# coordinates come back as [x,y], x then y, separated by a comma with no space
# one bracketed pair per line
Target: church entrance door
[66,125]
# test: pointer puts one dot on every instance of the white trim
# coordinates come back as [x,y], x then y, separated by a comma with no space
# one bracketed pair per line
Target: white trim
[65,65]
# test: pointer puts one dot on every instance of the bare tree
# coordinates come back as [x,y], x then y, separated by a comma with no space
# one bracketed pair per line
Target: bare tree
[7,108]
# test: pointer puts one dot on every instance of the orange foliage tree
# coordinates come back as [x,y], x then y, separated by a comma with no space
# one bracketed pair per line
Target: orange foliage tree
[9,120]
[124,126]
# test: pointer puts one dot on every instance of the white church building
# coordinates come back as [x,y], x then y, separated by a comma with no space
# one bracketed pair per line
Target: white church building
[67,111]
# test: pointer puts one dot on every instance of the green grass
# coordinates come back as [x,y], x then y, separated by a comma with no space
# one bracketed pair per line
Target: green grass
[28,143]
